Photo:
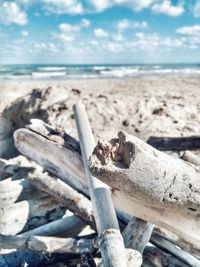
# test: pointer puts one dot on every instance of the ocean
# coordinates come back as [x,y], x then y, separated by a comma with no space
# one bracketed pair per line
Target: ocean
[63,72]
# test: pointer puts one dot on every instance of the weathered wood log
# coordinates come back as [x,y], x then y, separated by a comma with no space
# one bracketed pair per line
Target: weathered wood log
[45,151]
[67,164]
[69,226]
[70,198]
[49,244]
[167,188]
[137,234]
[174,143]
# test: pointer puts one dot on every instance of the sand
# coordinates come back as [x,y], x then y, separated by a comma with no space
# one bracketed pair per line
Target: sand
[162,106]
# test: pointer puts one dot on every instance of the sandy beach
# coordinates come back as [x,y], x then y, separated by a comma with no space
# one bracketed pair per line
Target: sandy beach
[164,106]
[158,106]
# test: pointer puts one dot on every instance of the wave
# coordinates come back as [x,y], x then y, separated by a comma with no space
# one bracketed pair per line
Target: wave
[48,74]
[52,68]
[96,71]
[121,72]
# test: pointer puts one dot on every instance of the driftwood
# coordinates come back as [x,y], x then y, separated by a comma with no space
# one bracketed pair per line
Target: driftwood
[60,154]
[175,143]
[70,198]
[110,240]
[69,226]
[137,234]
[49,244]
[174,250]
[167,188]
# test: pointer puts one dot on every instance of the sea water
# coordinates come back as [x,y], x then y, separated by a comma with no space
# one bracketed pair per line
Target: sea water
[62,72]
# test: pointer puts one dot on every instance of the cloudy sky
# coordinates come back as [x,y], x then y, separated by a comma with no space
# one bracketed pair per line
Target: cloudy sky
[99,31]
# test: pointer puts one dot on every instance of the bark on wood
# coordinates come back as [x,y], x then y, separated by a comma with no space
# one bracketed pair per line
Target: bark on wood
[49,244]
[175,143]
[45,151]
[167,188]
[70,198]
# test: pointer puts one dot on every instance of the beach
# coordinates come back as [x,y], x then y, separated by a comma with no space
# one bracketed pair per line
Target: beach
[142,106]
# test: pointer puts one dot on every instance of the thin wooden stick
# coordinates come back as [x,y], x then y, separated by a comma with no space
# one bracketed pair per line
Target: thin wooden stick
[65,227]
[175,143]
[176,251]
[110,240]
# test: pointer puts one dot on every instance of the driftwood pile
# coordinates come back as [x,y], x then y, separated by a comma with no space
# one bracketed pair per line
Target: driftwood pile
[156,198]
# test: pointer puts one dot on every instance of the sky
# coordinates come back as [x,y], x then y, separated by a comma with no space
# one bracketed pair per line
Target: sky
[99,31]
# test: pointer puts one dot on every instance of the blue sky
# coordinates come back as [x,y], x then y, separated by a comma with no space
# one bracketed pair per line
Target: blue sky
[99,31]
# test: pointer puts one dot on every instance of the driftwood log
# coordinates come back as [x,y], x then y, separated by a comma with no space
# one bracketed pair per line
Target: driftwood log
[60,154]
[167,188]
[136,234]
[175,143]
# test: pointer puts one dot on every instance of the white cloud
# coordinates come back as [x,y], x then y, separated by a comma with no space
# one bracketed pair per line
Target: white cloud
[85,23]
[189,30]
[24,33]
[100,33]
[197,9]
[118,37]
[68,28]
[125,24]
[65,38]
[151,41]
[167,8]
[100,5]
[64,6]
[190,35]
[94,42]
[10,13]
[114,47]
[45,47]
